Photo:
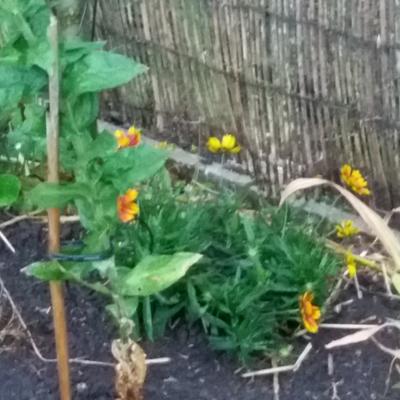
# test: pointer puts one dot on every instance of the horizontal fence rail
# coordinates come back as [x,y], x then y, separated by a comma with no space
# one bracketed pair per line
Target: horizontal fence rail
[306,85]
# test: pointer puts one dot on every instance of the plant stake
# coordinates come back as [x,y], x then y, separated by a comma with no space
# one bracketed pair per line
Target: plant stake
[56,288]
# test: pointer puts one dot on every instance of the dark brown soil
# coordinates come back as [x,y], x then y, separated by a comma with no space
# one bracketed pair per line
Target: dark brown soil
[196,372]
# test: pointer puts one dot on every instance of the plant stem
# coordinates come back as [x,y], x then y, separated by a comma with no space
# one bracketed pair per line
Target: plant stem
[69,13]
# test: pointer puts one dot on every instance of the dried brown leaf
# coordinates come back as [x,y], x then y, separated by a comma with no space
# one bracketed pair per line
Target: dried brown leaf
[130,370]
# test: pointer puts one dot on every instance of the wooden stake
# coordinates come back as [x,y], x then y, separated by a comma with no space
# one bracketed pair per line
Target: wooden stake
[56,289]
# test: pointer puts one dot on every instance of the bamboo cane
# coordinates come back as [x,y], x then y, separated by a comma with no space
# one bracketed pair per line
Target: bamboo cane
[56,289]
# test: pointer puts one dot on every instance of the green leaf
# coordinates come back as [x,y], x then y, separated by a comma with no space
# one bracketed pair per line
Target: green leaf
[48,195]
[131,166]
[46,271]
[156,273]
[10,187]
[100,70]
[31,79]
[85,110]
[73,50]
[124,307]
[148,318]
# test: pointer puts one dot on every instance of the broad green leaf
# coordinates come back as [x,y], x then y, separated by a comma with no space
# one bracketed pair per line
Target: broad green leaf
[10,187]
[73,50]
[102,146]
[46,271]
[100,70]
[48,195]
[84,110]
[156,273]
[131,166]
[31,79]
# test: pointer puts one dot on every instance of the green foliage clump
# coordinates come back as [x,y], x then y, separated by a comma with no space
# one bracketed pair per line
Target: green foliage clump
[255,265]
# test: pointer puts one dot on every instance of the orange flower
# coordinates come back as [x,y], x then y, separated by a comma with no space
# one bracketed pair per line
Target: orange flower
[310,313]
[354,180]
[130,138]
[127,207]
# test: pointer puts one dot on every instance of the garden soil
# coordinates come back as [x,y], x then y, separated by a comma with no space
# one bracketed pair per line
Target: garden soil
[358,372]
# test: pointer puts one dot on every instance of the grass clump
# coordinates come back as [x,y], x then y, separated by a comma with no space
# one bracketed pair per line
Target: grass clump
[256,264]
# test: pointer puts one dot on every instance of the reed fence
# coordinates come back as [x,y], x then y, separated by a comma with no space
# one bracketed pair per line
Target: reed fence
[305,84]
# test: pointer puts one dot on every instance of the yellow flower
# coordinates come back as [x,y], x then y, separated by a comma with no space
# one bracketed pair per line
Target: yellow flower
[353,179]
[351,265]
[127,207]
[214,144]
[346,229]
[131,138]
[310,313]
[227,144]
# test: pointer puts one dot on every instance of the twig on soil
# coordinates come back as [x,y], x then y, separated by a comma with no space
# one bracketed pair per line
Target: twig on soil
[277,370]
[7,242]
[386,279]
[330,364]
[335,385]
[18,219]
[389,376]
[349,327]
[357,286]
[275,380]
[338,307]
[154,361]
[345,327]
[64,219]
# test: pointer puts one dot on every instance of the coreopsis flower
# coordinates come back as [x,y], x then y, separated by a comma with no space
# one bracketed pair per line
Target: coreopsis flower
[354,180]
[227,144]
[130,138]
[127,207]
[351,265]
[310,313]
[214,144]
[346,229]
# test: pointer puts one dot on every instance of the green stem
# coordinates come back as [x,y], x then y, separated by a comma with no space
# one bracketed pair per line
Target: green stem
[222,167]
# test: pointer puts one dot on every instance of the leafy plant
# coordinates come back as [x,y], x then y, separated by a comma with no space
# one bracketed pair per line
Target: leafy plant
[10,187]
[245,289]
[96,172]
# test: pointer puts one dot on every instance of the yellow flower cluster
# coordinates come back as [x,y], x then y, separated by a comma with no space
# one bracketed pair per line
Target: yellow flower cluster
[227,144]
[354,180]
[346,229]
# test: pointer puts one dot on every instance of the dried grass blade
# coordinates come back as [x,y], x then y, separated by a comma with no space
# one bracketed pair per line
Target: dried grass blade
[360,336]
[375,223]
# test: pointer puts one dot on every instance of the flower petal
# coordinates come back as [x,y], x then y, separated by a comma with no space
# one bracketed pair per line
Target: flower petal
[228,142]
[131,194]
[214,144]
